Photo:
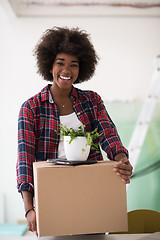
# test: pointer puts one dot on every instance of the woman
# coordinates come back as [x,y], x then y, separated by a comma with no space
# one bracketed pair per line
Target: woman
[64,57]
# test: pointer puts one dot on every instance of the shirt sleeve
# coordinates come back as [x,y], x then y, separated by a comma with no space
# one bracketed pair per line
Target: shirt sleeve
[26,149]
[109,140]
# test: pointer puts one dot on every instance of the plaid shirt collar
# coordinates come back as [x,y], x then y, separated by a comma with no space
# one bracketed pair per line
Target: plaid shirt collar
[46,95]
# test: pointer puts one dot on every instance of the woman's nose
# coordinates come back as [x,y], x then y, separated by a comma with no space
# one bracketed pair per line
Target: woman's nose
[66,68]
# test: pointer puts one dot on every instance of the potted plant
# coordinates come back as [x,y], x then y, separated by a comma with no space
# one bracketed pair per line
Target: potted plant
[77,143]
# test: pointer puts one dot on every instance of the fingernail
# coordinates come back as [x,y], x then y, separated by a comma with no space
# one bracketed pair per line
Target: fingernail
[115,166]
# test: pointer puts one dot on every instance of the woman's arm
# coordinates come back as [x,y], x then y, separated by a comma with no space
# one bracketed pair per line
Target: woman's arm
[26,151]
[31,216]
[111,143]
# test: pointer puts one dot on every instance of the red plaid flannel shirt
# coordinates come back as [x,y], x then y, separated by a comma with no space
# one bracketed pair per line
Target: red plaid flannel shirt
[37,138]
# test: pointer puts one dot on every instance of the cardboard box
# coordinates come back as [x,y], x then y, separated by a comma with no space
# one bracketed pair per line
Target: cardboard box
[79,199]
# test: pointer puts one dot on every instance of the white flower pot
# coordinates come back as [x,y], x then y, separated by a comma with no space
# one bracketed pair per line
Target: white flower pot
[77,150]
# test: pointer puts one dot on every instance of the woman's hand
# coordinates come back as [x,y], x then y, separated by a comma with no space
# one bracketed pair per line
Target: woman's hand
[31,221]
[123,168]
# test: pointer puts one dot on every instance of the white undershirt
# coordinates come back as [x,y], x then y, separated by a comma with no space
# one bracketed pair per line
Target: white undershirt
[70,121]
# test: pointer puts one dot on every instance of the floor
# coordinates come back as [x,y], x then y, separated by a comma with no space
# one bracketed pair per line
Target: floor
[31,236]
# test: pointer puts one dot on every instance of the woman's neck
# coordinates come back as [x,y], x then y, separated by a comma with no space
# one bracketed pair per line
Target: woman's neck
[62,98]
[60,93]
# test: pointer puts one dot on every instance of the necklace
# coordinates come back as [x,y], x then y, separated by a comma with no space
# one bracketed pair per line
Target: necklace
[64,105]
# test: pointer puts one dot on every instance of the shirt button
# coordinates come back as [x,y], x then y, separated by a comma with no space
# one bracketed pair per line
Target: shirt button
[78,113]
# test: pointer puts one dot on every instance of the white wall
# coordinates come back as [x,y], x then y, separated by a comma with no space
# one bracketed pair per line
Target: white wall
[126,47]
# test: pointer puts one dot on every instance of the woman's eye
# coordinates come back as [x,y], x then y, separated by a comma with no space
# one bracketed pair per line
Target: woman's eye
[60,63]
[74,65]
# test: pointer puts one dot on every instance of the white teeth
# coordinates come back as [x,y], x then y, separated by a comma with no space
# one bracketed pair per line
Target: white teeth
[65,78]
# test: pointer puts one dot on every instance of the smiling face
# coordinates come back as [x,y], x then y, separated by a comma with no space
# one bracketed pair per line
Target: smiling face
[65,70]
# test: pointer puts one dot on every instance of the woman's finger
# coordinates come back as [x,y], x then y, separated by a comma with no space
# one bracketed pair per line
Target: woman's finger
[122,171]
